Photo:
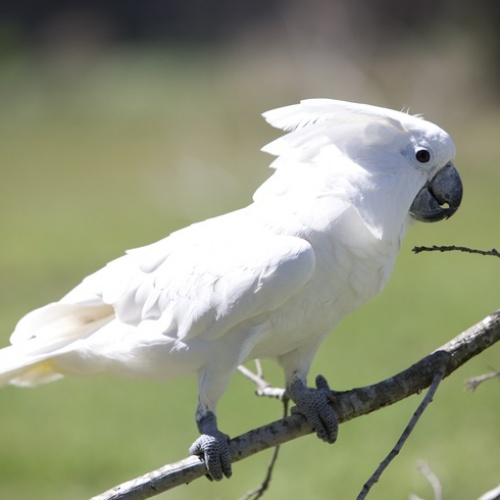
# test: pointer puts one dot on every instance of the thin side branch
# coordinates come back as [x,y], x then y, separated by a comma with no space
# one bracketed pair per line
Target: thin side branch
[472,383]
[452,248]
[432,478]
[493,494]
[347,405]
[258,492]
[264,388]
[406,434]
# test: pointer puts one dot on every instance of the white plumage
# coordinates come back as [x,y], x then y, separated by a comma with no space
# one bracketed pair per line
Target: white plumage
[269,280]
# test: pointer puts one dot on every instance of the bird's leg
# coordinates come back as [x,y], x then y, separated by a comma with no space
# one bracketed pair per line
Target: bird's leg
[212,446]
[313,403]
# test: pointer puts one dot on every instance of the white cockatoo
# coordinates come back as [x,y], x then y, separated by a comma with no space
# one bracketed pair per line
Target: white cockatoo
[270,280]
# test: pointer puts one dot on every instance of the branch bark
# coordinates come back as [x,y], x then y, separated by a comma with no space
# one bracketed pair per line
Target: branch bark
[347,405]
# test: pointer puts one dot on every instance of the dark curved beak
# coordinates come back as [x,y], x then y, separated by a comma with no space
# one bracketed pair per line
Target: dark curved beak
[440,197]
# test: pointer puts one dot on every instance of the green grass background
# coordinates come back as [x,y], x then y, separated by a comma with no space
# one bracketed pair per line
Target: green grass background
[114,152]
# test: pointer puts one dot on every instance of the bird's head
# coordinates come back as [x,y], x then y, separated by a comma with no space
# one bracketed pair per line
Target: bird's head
[390,163]
[442,193]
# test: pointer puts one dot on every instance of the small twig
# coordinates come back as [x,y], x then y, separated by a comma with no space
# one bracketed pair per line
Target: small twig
[433,480]
[264,388]
[440,373]
[493,494]
[472,383]
[256,378]
[262,488]
[451,248]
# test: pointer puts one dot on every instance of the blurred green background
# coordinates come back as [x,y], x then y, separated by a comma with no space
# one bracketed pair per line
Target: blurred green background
[121,122]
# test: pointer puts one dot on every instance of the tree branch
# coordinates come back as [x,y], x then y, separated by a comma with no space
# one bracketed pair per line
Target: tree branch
[472,383]
[432,478]
[406,434]
[347,405]
[258,492]
[493,494]
[453,248]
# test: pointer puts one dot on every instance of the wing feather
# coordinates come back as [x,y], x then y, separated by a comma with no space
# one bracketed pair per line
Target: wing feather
[200,281]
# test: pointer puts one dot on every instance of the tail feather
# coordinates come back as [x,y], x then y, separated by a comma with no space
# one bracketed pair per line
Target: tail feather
[43,335]
[61,321]
[18,368]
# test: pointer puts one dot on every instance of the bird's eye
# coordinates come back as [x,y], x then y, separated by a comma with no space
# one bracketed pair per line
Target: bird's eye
[422,155]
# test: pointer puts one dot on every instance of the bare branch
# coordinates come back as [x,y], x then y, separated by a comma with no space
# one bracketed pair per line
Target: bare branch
[434,481]
[262,488]
[264,388]
[472,383]
[347,405]
[493,494]
[258,492]
[406,434]
[451,248]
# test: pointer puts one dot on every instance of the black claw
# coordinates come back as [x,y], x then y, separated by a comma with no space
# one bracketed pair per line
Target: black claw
[321,383]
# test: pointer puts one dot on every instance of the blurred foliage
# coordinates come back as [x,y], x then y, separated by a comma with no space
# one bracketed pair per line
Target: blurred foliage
[106,146]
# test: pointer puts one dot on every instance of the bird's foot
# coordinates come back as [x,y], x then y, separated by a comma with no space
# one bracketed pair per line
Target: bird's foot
[213,448]
[314,405]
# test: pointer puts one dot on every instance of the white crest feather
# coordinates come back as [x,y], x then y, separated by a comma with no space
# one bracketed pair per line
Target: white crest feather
[315,122]
[314,111]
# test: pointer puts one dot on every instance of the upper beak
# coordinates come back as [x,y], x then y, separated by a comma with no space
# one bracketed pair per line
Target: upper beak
[440,197]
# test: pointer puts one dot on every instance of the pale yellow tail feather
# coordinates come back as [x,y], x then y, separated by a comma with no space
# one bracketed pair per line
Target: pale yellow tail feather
[43,335]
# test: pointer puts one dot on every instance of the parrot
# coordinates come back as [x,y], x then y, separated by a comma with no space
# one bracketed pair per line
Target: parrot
[267,281]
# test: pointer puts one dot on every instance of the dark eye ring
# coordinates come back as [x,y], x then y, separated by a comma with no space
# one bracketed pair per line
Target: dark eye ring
[422,155]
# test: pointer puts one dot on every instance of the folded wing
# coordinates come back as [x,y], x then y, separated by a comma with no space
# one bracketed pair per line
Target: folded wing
[199,282]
